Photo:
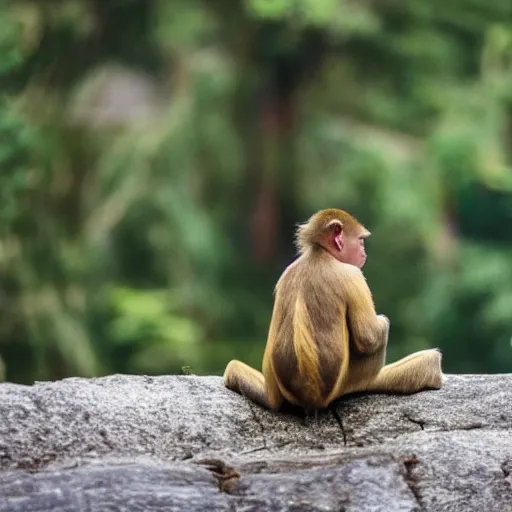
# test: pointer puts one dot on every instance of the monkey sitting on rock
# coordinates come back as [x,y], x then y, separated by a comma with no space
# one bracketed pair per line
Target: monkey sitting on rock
[325,339]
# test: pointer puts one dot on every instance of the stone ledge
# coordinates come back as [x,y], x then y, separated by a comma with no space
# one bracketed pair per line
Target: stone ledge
[187,443]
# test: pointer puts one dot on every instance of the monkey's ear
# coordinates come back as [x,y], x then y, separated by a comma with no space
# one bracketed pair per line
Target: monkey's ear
[336,226]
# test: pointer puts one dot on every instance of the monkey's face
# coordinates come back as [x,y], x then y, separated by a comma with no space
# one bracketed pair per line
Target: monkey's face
[353,251]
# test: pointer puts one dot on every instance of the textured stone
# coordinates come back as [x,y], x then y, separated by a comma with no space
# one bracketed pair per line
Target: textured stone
[187,443]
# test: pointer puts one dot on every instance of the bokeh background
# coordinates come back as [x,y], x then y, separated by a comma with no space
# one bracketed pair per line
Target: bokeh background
[156,155]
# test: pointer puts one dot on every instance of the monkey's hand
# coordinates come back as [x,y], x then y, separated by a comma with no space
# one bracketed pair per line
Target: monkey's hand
[384,318]
[385,327]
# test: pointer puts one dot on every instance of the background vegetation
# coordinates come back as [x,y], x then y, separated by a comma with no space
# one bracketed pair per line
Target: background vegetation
[155,156]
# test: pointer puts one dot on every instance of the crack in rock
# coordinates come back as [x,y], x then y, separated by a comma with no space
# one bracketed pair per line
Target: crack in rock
[411,480]
[462,428]
[415,421]
[106,440]
[505,468]
[226,476]
[472,426]
[337,417]
[253,450]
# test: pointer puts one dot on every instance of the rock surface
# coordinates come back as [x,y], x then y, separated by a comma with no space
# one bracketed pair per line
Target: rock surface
[186,443]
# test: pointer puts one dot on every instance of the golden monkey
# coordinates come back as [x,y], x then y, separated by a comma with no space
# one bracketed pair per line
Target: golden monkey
[325,339]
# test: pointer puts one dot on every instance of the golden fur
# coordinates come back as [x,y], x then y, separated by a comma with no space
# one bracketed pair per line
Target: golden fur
[325,338]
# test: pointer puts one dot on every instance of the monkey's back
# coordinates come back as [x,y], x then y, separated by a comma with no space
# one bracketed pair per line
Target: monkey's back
[309,341]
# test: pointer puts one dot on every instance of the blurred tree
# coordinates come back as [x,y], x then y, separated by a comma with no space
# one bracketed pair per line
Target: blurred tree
[156,156]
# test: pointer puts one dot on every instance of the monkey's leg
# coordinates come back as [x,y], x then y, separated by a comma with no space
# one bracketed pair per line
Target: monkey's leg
[421,370]
[249,382]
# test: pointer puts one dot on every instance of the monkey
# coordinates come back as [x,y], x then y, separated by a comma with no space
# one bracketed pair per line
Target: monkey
[325,339]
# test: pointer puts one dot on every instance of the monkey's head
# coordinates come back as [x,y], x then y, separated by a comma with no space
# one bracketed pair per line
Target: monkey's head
[336,231]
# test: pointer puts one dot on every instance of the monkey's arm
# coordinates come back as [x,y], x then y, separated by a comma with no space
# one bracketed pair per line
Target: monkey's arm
[369,330]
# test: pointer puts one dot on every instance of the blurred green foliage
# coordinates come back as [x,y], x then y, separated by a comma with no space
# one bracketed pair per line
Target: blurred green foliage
[156,155]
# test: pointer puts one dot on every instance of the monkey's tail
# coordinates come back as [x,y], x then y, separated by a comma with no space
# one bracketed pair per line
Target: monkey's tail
[306,353]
